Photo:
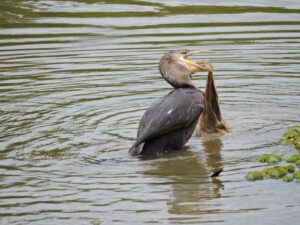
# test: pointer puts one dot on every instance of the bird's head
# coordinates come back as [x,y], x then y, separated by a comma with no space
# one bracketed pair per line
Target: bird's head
[176,68]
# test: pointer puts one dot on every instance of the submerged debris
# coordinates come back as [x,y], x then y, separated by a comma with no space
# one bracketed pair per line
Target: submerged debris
[216,173]
[270,158]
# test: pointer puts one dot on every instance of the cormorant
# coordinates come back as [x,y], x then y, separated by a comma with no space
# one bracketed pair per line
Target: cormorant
[170,122]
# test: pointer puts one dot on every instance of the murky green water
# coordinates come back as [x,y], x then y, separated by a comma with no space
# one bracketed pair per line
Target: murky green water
[76,77]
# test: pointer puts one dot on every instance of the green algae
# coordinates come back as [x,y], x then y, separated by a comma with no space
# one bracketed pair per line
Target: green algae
[292,137]
[289,168]
[255,175]
[297,175]
[275,173]
[293,158]
[288,178]
[270,158]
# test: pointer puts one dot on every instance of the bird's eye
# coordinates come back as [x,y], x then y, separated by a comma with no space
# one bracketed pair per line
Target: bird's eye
[183,52]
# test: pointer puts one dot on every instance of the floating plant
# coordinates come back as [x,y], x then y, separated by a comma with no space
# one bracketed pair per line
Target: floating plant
[289,168]
[293,158]
[297,175]
[255,175]
[270,158]
[275,173]
[288,178]
[292,137]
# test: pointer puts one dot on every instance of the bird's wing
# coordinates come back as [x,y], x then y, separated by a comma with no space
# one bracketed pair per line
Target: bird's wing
[175,110]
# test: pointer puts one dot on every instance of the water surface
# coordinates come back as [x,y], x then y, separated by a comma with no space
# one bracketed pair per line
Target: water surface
[76,77]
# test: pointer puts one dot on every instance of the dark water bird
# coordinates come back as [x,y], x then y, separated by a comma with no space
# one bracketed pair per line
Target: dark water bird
[170,122]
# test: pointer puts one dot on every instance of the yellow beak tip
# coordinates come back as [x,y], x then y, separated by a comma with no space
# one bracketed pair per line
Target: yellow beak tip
[191,63]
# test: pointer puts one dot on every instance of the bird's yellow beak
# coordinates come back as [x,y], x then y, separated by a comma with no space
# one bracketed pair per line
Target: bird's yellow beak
[192,65]
[195,52]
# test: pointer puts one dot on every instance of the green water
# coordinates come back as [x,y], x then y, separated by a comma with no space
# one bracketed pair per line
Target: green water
[76,77]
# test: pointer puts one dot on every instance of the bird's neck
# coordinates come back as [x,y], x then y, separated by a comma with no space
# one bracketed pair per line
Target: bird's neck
[178,80]
[176,74]
[177,85]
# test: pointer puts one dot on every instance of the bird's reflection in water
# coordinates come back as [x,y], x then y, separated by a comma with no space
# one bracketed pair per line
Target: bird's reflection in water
[214,162]
[189,175]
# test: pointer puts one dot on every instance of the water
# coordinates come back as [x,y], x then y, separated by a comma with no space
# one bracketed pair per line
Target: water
[76,77]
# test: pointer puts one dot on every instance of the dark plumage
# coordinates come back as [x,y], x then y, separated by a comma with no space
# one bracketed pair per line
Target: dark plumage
[170,122]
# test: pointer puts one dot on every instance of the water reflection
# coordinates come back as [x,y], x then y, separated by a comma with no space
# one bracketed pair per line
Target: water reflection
[76,77]
[189,176]
[214,162]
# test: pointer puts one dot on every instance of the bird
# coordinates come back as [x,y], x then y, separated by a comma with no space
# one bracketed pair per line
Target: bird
[171,121]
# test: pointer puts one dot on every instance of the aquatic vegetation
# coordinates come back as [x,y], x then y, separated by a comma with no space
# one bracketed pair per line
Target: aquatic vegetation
[292,137]
[95,222]
[289,168]
[255,175]
[288,178]
[270,158]
[275,173]
[297,175]
[293,158]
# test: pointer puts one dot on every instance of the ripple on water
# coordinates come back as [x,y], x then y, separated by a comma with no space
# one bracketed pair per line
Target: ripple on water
[76,77]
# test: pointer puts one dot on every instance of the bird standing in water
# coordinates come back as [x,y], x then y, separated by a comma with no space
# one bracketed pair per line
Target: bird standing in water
[170,122]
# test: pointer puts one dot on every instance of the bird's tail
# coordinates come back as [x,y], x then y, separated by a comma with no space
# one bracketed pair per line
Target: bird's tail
[136,150]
